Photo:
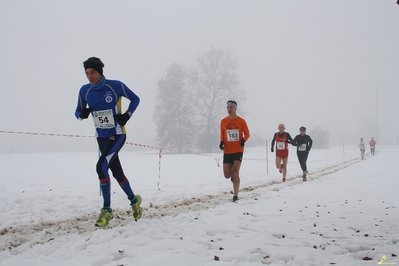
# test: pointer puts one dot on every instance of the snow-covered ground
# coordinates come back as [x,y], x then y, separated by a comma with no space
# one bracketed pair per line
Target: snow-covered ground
[347,212]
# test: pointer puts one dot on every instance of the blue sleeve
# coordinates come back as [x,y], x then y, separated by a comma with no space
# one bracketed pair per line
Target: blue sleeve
[81,104]
[130,95]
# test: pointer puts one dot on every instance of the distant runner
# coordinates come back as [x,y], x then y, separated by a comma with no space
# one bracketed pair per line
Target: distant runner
[304,144]
[233,135]
[362,148]
[372,144]
[281,138]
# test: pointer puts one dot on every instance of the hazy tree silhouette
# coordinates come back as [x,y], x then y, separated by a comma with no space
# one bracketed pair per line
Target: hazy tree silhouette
[320,137]
[173,112]
[213,82]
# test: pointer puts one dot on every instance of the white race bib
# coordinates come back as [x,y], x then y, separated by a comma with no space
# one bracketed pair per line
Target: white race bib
[232,135]
[104,119]
[280,145]
[302,147]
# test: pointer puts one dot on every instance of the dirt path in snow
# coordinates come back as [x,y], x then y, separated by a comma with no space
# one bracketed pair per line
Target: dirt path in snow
[17,238]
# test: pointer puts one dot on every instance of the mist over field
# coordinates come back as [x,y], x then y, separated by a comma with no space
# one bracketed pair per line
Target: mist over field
[325,64]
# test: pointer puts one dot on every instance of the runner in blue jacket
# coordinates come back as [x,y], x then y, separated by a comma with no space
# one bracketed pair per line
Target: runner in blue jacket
[102,99]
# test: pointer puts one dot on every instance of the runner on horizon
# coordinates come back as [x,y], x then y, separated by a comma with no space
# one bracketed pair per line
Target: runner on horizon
[233,135]
[362,147]
[304,144]
[372,144]
[281,138]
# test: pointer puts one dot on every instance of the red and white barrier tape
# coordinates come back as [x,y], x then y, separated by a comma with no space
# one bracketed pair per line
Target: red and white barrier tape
[129,143]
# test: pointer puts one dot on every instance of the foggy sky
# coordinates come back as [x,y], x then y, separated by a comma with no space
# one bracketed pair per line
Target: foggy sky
[311,63]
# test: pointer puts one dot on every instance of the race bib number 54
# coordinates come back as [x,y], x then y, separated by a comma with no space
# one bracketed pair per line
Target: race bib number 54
[232,135]
[104,119]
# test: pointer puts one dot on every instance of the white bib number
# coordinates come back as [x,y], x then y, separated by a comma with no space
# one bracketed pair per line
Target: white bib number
[302,147]
[280,145]
[232,135]
[104,119]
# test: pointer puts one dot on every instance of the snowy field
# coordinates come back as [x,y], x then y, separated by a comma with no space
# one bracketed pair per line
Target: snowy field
[347,212]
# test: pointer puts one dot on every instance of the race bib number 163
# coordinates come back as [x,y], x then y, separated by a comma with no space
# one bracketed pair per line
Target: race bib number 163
[232,135]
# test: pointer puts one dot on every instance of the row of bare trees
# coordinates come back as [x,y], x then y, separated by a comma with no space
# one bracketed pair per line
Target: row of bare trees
[190,101]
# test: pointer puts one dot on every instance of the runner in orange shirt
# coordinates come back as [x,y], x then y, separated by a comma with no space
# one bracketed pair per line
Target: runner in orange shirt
[233,135]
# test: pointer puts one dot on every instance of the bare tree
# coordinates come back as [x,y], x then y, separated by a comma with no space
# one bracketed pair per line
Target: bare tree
[213,82]
[173,114]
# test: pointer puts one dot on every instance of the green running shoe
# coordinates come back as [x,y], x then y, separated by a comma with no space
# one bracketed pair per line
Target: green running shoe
[136,207]
[104,218]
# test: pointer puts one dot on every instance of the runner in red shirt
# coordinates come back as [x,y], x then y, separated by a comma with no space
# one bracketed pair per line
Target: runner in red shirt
[372,146]
[281,138]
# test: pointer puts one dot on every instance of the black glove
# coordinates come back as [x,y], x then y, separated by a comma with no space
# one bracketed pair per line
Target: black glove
[272,149]
[85,113]
[221,145]
[242,142]
[122,119]
[287,141]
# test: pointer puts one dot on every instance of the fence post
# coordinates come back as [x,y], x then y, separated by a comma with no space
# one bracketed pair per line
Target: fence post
[343,149]
[267,158]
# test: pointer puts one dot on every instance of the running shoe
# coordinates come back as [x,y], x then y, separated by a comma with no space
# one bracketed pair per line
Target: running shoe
[136,209]
[235,198]
[104,218]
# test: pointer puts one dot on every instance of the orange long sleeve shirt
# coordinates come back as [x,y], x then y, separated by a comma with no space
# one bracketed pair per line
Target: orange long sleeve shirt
[231,132]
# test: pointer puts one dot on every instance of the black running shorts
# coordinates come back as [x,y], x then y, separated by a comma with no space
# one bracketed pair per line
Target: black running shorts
[229,158]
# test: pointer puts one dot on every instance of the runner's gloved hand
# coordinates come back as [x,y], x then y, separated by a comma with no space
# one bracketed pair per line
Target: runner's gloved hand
[85,113]
[272,149]
[221,145]
[122,119]
[242,142]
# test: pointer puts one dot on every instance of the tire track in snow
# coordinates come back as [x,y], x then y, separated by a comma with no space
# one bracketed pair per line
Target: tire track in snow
[19,238]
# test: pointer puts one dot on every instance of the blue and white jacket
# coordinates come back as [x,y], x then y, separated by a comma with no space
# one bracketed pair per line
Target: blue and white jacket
[105,100]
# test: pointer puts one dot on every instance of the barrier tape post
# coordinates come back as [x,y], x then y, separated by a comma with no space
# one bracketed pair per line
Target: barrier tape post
[99,183]
[267,158]
[217,159]
[159,168]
